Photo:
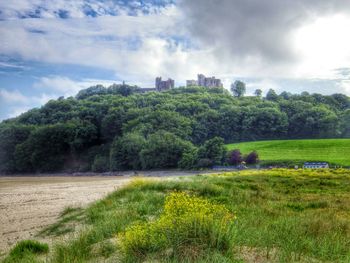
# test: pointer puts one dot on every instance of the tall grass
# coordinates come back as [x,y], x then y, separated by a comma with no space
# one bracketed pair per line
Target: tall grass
[282,216]
[26,251]
[189,227]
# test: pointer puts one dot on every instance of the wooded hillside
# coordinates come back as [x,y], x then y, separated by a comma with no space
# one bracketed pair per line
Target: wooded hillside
[121,127]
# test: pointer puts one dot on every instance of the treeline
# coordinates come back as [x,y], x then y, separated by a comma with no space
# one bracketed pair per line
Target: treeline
[120,127]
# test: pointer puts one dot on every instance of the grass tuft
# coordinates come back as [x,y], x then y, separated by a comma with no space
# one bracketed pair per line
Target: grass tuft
[26,251]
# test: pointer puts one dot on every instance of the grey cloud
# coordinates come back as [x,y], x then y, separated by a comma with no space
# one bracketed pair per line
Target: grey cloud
[254,30]
[344,73]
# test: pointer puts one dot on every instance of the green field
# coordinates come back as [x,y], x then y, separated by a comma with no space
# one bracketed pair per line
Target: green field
[334,151]
[277,215]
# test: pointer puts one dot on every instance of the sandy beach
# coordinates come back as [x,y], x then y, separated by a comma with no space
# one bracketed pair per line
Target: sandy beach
[28,204]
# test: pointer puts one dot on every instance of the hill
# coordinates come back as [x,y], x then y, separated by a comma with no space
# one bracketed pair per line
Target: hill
[334,151]
[125,127]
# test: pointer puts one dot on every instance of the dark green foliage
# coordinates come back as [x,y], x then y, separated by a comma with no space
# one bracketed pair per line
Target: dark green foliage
[100,164]
[345,123]
[10,136]
[272,95]
[238,88]
[161,119]
[258,92]
[29,246]
[124,90]
[189,159]
[47,147]
[125,152]
[84,135]
[25,251]
[67,134]
[214,150]
[112,123]
[163,150]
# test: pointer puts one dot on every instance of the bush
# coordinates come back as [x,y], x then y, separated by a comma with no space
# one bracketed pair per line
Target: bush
[186,223]
[235,157]
[252,158]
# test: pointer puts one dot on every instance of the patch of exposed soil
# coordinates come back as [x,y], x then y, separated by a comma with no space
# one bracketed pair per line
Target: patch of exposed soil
[29,204]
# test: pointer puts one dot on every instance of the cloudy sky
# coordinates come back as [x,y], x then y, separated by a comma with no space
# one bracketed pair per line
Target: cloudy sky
[54,48]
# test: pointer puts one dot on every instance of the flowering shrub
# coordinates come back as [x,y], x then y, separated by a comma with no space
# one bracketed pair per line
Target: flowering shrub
[187,224]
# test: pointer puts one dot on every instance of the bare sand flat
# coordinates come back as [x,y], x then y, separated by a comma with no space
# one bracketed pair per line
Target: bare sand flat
[28,204]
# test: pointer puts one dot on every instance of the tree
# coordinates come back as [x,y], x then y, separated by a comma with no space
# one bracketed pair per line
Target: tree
[265,123]
[258,92]
[238,88]
[214,150]
[91,91]
[189,159]
[342,101]
[163,150]
[285,95]
[100,164]
[136,129]
[272,95]
[84,135]
[206,126]
[252,158]
[235,157]
[156,120]
[111,124]
[10,136]
[125,151]
[345,124]
[47,148]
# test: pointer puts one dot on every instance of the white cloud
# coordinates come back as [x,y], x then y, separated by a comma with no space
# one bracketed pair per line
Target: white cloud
[264,85]
[76,8]
[345,86]
[11,65]
[139,48]
[63,86]
[323,46]
[17,110]
[13,96]
[50,9]
[135,47]
[13,102]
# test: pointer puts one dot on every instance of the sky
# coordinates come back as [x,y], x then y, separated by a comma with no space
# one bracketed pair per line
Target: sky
[55,48]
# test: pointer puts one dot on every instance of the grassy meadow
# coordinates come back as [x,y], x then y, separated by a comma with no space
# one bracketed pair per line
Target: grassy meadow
[334,151]
[275,215]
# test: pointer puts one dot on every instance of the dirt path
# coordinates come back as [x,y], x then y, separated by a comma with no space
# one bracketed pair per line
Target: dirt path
[28,204]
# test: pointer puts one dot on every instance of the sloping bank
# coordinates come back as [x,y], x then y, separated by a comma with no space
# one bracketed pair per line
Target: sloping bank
[249,216]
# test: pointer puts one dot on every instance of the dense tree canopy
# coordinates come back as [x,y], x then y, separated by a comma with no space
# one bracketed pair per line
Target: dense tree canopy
[238,88]
[122,127]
